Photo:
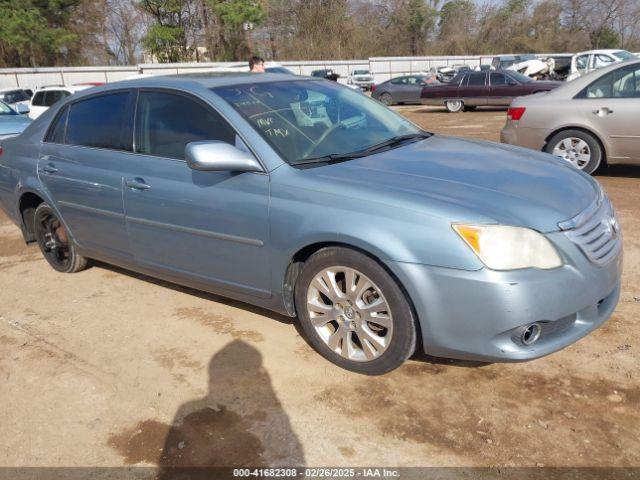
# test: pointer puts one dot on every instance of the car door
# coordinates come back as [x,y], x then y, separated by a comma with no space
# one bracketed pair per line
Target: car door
[611,104]
[475,91]
[207,227]
[500,89]
[413,89]
[398,89]
[582,64]
[601,60]
[80,164]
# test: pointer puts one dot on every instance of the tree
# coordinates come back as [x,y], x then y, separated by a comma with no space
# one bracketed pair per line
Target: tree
[35,33]
[412,21]
[236,19]
[458,27]
[111,31]
[167,38]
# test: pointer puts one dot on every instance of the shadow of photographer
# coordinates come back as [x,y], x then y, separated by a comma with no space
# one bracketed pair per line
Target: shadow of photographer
[239,423]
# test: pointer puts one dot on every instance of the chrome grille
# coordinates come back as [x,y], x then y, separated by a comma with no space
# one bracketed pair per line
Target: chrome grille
[596,231]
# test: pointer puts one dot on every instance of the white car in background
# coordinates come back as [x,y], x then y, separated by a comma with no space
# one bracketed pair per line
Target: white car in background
[585,62]
[47,96]
[361,78]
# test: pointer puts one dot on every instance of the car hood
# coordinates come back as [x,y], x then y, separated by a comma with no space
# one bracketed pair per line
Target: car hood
[467,180]
[13,123]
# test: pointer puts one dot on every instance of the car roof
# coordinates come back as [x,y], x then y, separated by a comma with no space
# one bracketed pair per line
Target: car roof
[572,88]
[602,50]
[13,89]
[206,80]
[71,88]
[196,81]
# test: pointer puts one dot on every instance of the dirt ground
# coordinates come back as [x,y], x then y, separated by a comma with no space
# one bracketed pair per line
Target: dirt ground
[106,368]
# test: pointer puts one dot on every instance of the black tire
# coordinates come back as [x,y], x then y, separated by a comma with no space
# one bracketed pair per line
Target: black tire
[387,99]
[402,341]
[454,106]
[595,149]
[55,244]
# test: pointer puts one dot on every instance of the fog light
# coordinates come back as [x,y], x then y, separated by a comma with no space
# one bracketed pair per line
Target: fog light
[531,334]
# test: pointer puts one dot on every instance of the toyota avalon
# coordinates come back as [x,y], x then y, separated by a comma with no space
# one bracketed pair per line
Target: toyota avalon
[304,197]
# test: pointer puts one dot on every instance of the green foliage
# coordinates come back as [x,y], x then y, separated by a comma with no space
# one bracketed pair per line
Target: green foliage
[605,37]
[166,43]
[166,37]
[33,33]
[234,13]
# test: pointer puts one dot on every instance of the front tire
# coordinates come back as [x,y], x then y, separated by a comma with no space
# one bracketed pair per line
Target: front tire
[353,312]
[54,242]
[454,106]
[579,148]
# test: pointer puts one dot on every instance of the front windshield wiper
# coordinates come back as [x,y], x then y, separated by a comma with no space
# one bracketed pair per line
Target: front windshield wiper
[397,140]
[340,157]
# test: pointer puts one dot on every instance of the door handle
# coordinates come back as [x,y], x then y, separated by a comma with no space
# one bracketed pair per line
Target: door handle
[137,184]
[49,169]
[602,111]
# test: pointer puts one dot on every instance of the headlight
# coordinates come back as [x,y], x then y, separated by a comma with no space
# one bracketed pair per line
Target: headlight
[509,248]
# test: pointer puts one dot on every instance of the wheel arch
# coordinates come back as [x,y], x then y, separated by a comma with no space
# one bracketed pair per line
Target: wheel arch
[302,254]
[27,204]
[601,142]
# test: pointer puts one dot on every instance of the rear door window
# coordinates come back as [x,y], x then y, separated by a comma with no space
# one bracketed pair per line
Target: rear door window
[99,122]
[601,88]
[626,82]
[476,80]
[167,122]
[498,79]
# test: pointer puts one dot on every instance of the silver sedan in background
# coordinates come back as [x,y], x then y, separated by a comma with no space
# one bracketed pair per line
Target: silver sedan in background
[590,122]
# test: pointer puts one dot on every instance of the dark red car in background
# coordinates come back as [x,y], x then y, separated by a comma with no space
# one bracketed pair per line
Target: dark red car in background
[469,90]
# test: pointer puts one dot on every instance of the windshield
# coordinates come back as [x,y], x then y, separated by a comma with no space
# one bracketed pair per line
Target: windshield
[624,55]
[361,72]
[520,77]
[309,119]
[6,109]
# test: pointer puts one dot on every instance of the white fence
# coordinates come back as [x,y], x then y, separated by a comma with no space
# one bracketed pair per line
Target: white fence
[383,68]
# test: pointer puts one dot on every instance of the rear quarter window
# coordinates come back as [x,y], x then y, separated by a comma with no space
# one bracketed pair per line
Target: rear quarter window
[57,128]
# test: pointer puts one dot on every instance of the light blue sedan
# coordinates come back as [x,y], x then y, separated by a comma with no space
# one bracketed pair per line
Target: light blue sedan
[304,197]
[11,122]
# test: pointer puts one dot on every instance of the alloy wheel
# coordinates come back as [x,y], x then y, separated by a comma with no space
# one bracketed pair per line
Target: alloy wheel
[349,313]
[54,241]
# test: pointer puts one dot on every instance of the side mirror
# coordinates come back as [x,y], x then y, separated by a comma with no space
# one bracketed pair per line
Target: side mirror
[214,156]
[511,82]
[22,108]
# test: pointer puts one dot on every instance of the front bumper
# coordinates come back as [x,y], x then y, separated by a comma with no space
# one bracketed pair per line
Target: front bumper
[363,83]
[477,315]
